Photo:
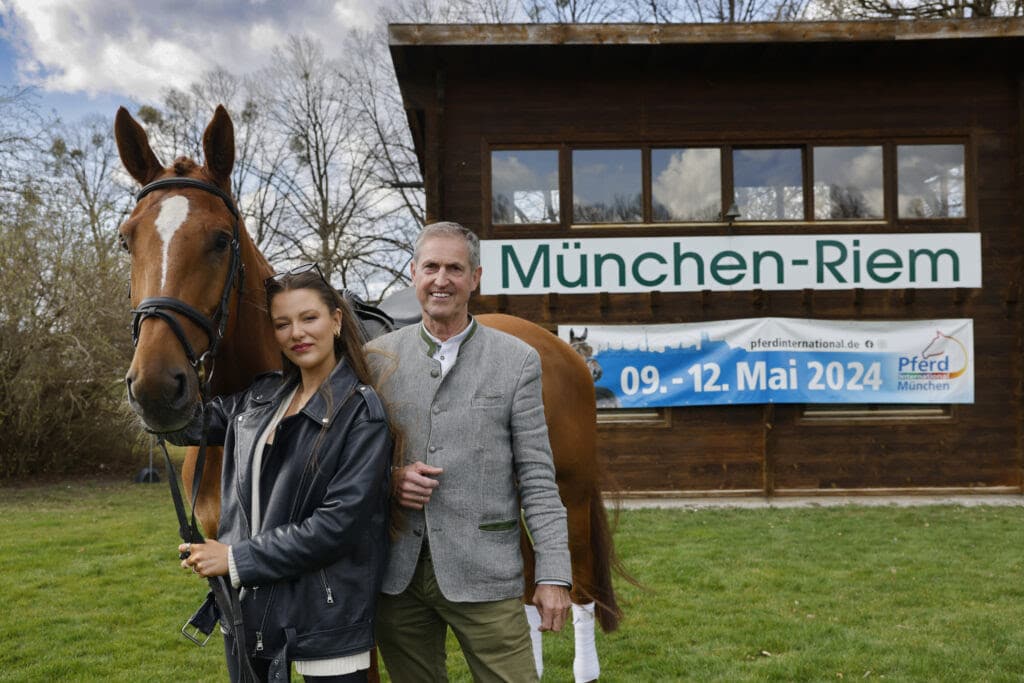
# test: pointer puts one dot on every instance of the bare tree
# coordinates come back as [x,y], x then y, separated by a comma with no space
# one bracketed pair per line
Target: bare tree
[22,136]
[63,340]
[395,166]
[84,162]
[327,178]
[662,11]
[913,9]
[453,12]
[574,11]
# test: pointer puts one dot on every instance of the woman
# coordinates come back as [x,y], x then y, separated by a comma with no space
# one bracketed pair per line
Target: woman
[304,492]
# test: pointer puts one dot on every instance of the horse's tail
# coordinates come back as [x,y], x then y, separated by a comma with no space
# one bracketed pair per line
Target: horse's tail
[606,562]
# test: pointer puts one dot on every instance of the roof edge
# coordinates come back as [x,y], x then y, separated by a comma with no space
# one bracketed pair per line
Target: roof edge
[669,34]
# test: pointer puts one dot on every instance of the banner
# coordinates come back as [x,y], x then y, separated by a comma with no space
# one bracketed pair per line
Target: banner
[778,360]
[770,262]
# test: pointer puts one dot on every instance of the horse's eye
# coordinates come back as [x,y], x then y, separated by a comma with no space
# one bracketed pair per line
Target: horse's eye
[221,242]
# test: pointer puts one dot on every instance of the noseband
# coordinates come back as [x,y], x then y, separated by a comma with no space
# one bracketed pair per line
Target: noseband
[163,306]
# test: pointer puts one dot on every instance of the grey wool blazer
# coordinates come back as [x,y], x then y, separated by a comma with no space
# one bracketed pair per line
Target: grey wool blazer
[483,423]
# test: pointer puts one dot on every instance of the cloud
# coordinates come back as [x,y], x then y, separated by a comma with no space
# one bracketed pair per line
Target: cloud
[689,185]
[140,48]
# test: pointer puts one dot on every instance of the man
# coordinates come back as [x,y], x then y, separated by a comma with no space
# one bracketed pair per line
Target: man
[467,401]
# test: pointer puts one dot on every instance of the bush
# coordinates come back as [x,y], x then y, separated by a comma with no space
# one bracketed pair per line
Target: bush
[64,346]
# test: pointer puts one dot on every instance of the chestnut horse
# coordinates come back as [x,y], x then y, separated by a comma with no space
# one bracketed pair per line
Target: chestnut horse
[180,238]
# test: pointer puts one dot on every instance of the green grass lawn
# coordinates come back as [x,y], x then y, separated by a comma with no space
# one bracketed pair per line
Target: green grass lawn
[91,590]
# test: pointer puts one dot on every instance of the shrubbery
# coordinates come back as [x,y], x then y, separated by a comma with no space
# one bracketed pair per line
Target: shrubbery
[64,335]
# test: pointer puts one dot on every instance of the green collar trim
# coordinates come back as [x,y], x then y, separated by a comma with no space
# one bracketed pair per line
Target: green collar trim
[433,346]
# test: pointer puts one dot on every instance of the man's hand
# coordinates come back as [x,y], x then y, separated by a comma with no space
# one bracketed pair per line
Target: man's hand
[413,484]
[553,603]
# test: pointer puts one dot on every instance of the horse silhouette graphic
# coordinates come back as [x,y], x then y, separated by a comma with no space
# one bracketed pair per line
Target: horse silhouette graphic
[605,397]
[950,347]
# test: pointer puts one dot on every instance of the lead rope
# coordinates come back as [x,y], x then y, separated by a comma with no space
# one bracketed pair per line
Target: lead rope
[224,593]
[225,596]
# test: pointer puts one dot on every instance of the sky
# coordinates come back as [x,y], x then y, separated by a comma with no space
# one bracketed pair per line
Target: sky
[86,57]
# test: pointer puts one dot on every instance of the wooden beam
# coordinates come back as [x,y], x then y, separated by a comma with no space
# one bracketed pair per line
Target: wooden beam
[433,166]
[682,34]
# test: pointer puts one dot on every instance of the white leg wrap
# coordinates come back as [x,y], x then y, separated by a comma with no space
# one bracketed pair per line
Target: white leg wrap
[533,616]
[585,666]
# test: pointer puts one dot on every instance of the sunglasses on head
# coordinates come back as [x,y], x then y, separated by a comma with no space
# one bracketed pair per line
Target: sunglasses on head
[277,278]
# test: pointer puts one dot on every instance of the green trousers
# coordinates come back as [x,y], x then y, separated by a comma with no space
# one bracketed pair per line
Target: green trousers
[412,627]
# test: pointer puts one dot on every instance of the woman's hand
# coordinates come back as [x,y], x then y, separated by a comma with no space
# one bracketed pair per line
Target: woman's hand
[206,559]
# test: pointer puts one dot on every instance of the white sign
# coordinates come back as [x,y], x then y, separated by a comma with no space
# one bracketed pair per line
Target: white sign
[778,360]
[771,262]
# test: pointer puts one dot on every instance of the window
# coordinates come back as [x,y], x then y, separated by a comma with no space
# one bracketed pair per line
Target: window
[686,185]
[848,183]
[930,181]
[885,181]
[524,186]
[607,186]
[768,184]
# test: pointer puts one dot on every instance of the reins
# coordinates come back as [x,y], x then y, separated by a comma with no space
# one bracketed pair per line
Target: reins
[224,597]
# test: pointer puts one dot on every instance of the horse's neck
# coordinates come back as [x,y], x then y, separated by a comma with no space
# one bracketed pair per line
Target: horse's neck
[249,349]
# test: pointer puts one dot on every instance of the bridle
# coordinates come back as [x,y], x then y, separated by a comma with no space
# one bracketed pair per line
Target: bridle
[163,306]
[222,596]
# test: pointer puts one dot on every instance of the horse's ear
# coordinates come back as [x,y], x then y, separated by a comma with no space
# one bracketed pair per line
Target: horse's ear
[133,146]
[219,146]
[572,335]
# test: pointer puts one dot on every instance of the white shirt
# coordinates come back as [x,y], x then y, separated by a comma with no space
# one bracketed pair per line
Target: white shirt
[446,352]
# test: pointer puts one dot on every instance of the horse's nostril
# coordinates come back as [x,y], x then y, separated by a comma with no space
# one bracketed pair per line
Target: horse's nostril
[181,385]
[177,396]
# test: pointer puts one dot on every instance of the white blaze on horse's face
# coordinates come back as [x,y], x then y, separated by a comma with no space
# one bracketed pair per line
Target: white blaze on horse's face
[173,213]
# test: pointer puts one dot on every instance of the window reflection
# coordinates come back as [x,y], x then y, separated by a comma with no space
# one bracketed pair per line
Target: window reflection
[768,184]
[848,183]
[686,184]
[606,186]
[524,186]
[930,179]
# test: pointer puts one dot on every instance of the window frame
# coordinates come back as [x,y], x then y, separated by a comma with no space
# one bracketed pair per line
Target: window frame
[891,221]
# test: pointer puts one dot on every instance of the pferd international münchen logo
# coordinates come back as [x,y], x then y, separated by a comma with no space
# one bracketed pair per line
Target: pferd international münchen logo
[944,358]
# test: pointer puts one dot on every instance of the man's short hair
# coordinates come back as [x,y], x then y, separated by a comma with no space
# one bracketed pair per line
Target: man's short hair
[449,229]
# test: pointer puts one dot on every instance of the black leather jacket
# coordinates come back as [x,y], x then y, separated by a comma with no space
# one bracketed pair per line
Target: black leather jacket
[311,576]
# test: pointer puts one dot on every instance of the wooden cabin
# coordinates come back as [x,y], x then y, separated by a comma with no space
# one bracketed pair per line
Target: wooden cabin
[859,131]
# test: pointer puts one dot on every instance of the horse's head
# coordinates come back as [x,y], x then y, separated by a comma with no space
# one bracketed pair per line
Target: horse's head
[579,343]
[937,346]
[183,241]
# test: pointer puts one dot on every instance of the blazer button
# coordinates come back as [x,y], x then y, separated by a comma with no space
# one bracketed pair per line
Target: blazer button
[435,372]
[437,410]
[432,449]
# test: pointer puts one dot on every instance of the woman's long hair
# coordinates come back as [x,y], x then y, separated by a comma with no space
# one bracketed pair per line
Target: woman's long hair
[348,345]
